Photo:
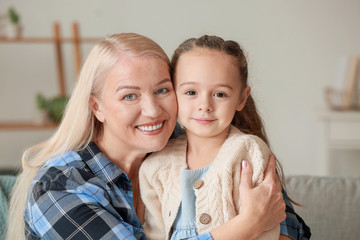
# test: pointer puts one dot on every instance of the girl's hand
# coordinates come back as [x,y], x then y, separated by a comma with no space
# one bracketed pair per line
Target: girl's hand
[263,204]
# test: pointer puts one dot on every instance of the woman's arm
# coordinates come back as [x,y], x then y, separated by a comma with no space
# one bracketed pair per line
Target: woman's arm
[72,203]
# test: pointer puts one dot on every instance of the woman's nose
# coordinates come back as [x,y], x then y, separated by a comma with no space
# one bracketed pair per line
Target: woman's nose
[151,107]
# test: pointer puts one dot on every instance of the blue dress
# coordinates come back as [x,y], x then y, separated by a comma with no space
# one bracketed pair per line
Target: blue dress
[185,222]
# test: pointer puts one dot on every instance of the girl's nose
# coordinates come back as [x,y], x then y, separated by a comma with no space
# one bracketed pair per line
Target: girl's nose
[205,104]
[150,107]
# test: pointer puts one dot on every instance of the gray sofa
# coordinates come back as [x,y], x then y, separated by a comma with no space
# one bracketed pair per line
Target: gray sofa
[6,184]
[331,205]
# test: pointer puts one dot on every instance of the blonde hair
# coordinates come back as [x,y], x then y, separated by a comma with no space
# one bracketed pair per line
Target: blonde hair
[79,126]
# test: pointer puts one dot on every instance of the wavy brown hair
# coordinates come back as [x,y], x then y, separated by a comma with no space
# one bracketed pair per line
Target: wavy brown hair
[248,119]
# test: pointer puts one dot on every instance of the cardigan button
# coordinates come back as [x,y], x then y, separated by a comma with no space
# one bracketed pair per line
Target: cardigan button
[198,184]
[205,218]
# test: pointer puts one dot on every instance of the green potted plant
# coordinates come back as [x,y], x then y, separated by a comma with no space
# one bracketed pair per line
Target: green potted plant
[52,107]
[13,29]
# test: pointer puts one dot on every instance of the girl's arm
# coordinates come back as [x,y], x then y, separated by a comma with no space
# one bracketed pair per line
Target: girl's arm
[154,226]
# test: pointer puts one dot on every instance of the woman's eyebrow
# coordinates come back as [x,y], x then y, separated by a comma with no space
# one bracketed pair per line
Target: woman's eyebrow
[138,88]
[127,87]
[163,81]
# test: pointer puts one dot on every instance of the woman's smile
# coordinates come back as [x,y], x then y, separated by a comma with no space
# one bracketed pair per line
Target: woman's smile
[151,128]
[141,112]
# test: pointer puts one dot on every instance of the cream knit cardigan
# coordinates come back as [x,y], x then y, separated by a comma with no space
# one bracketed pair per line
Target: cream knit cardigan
[219,195]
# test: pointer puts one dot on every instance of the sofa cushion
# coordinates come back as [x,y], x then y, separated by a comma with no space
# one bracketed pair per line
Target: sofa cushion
[6,184]
[331,205]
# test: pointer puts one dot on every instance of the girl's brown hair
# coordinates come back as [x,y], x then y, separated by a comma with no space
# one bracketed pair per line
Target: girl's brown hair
[247,120]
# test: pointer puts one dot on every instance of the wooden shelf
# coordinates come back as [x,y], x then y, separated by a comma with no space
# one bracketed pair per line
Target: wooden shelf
[57,40]
[48,40]
[26,125]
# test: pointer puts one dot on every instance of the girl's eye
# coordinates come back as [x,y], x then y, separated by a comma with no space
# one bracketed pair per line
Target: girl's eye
[190,92]
[162,91]
[220,94]
[130,97]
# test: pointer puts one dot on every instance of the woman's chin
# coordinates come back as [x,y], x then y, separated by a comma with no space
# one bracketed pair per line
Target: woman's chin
[158,147]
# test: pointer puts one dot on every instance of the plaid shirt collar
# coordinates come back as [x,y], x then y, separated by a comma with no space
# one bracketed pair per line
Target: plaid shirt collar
[100,165]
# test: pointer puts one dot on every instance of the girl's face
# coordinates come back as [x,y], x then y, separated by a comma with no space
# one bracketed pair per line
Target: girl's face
[209,92]
[137,105]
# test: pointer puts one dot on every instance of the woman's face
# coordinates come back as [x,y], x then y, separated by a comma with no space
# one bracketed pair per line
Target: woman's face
[137,105]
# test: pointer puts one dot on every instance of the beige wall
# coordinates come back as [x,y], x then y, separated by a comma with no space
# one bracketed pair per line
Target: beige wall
[293,50]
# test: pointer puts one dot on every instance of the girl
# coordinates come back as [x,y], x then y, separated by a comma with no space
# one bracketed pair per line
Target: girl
[188,188]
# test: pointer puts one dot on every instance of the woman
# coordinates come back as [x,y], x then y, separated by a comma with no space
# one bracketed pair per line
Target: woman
[82,183]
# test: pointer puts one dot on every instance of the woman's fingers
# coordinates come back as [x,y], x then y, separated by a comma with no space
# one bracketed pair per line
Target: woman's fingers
[273,185]
[246,176]
[265,201]
[271,178]
[271,167]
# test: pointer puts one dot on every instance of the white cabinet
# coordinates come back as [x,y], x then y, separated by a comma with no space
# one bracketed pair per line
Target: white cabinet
[341,137]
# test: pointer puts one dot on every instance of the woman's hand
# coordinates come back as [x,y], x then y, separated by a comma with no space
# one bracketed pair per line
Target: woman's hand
[263,204]
[262,207]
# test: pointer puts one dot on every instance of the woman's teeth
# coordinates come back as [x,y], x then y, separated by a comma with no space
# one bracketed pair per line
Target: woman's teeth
[150,128]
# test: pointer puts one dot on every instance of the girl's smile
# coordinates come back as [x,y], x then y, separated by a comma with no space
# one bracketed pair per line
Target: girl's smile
[209,92]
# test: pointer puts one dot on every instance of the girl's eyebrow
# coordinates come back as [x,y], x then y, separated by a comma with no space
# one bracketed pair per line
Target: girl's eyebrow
[217,85]
[187,83]
[224,85]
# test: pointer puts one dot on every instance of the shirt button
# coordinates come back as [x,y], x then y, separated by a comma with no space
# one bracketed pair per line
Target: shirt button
[205,218]
[198,184]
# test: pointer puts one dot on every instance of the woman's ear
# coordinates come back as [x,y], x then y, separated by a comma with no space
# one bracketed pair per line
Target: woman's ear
[244,96]
[95,106]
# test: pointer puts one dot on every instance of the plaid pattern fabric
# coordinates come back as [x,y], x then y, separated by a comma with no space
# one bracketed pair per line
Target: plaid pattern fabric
[293,226]
[81,195]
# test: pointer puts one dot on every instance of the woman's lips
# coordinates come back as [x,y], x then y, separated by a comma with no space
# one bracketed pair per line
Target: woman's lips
[151,128]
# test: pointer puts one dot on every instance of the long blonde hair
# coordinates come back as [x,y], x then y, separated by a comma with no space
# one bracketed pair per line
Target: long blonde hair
[79,126]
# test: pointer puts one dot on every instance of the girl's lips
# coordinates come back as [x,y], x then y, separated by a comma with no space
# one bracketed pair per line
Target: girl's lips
[203,121]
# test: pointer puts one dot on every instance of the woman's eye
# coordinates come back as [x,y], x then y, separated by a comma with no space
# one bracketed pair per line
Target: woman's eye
[162,91]
[130,97]
[220,94]
[190,92]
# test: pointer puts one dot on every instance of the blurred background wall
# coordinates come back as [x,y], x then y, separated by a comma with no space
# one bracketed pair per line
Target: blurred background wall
[293,49]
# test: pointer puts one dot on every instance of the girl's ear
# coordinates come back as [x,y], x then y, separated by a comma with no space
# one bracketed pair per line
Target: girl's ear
[95,106]
[244,96]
